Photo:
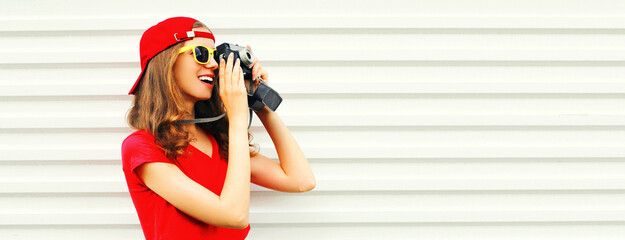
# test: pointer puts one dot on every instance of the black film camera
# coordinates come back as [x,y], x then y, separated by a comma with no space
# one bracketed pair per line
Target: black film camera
[262,95]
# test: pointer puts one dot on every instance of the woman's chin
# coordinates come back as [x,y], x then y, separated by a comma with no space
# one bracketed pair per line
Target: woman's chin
[203,97]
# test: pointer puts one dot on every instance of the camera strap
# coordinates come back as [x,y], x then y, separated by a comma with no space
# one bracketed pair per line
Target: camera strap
[250,92]
[251,88]
[250,123]
[202,120]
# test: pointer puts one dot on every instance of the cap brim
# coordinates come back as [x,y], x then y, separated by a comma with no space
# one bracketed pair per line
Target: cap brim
[134,87]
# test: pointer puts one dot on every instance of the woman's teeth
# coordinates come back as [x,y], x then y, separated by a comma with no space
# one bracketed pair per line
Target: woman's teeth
[206,79]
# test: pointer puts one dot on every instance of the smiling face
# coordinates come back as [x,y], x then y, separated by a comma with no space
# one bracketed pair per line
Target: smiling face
[195,79]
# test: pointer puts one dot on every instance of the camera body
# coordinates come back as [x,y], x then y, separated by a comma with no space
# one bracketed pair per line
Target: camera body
[244,54]
[259,96]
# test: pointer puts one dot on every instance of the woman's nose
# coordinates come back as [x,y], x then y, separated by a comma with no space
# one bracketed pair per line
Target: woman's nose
[212,64]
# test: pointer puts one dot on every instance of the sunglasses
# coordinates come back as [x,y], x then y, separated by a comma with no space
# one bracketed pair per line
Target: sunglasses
[201,53]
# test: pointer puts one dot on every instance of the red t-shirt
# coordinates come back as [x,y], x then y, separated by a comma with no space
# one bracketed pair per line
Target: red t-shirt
[159,219]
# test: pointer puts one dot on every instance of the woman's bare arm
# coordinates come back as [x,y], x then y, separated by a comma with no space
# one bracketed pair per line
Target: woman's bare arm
[293,173]
[186,195]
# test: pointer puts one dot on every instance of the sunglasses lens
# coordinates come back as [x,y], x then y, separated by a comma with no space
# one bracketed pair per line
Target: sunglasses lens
[201,54]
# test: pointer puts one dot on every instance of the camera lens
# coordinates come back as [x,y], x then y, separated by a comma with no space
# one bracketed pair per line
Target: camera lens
[247,58]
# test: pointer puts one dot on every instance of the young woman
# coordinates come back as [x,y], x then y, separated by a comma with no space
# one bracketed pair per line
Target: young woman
[192,181]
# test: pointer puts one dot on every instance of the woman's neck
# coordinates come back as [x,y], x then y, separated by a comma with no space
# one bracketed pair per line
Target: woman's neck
[190,109]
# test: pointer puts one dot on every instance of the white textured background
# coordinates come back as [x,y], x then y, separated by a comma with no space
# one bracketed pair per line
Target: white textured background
[444,119]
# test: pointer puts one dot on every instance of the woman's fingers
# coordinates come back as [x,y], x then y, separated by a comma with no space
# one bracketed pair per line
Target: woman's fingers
[258,71]
[232,88]
[229,69]
[231,74]
[254,65]
[255,69]
[222,75]
[237,75]
[225,75]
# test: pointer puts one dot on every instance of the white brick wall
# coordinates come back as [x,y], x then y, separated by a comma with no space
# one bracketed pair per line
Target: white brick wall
[421,119]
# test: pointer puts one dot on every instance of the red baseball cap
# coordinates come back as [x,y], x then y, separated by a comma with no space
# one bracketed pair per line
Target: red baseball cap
[162,35]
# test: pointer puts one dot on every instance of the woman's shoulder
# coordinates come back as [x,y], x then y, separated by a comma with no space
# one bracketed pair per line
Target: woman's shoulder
[139,135]
[141,146]
[139,138]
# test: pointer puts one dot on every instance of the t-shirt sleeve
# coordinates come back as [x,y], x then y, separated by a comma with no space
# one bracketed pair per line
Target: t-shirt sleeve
[140,148]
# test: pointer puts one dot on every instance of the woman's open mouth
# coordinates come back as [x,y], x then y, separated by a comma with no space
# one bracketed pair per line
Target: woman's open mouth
[206,79]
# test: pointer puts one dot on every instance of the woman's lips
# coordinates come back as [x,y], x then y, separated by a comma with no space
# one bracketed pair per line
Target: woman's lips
[206,79]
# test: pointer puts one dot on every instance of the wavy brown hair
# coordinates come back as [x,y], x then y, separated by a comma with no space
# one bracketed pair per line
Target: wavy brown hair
[159,104]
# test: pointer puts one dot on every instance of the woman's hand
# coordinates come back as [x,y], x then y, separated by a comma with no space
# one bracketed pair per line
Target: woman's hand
[232,90]
[257,70]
